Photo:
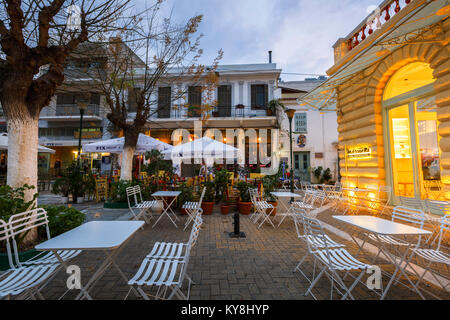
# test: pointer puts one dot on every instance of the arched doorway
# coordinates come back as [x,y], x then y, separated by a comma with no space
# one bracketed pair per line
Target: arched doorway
[411,137]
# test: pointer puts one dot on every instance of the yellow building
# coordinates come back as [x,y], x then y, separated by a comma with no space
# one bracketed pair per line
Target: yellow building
[391,86]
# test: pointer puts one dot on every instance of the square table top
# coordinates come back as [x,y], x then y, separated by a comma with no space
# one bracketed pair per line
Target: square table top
[166,194]
[94,235]
[381,226]
[286,195]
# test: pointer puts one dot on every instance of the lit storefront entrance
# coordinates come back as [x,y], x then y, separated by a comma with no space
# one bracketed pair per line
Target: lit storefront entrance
[410,115]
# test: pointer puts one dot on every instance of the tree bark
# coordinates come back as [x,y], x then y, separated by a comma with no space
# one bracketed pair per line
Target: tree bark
[23,153]
[126,171]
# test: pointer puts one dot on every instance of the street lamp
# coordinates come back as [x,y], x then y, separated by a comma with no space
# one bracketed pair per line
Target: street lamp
[82,103]
[290,114]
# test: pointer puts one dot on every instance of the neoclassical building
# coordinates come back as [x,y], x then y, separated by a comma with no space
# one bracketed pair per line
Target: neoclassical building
[391,86]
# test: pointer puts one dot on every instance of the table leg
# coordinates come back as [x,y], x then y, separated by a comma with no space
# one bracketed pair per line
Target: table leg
[165,212]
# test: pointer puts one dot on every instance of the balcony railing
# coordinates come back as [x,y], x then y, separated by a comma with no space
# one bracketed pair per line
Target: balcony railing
[383,14]
[73,110]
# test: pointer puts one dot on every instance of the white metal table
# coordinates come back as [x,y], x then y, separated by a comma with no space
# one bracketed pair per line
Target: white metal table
[107,236]
[167,207]
[381,227]
[285,211]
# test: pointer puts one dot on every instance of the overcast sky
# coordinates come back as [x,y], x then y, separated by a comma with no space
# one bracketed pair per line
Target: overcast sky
[299,32]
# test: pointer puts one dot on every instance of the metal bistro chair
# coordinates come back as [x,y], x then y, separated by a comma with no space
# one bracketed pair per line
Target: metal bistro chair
[263,209]
[20,224]
[22,281]
[435,210]
[438,256]
[317,241]
[192,209]
[166,273]
[136,203]
[331,260]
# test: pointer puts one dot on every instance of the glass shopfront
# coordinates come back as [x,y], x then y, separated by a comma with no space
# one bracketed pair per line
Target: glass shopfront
[413,159]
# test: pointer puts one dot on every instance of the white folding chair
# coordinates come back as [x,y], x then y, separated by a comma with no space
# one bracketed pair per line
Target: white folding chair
[137,206]
[435,210]
[265,211]
[165,273]
[317,241]
[410,216]
[331,260]
[20,224]
[22,281]
[439,256]
[192,209]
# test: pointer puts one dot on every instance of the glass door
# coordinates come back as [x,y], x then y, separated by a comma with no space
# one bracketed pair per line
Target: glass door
[301,166]
[401,151]
[414,150]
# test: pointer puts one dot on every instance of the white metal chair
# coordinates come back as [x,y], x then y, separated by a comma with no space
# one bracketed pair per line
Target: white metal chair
[165,273]
[20,224]
[138,207]
[330,259]
[192,209]
[317,241]
[263,209]
[435,210]
[22,281]
[439,256]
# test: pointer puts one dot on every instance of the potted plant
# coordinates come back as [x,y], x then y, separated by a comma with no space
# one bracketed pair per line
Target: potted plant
[209,197]
[326,175]
[61,186]
[269,184]
[245,204]
[225,206]
[272,106]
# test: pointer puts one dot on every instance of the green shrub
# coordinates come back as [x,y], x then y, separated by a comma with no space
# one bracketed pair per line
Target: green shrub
[12,201]
[61,219]
[221,180]
[118,191]
[187,194]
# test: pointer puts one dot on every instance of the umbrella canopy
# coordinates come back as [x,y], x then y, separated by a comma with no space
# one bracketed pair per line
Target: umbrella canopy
[4,145]
[144,144]
[206,148]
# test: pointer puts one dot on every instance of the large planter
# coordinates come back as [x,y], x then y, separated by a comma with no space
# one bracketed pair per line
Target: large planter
[23,256]
[245,208]
[207,207]
[274,213]
[225,209]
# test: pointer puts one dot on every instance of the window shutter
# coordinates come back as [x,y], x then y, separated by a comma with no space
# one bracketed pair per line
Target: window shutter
[266,95]
[253,95]
[300,122]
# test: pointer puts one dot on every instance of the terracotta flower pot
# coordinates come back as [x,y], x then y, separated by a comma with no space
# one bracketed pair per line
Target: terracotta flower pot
[274,213]
[225,209]
[207,208]
[245,207]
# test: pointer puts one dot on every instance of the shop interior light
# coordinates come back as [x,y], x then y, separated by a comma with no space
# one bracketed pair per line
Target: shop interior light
[443,11]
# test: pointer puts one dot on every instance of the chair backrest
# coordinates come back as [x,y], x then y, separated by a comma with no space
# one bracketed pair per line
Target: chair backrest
[444,229]
[21,223]
[135,194]
[438,207]
[313,228]
[5,236]
[201,197]
[198,221]
[385,192]
[253,195]
[410,215]
[411,202]
[298,219]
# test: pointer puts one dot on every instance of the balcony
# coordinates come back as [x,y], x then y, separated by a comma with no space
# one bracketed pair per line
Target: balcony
[73,110]
[384,13]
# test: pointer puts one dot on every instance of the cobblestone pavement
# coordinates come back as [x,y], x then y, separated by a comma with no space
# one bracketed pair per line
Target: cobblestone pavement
[257,267]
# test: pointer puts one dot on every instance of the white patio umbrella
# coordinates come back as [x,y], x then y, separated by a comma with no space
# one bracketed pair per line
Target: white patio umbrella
[144,144]
[205,148]
[4,145]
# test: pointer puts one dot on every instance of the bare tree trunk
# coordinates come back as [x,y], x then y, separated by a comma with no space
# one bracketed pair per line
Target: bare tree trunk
[23,153]
[126,171]
[22,160]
